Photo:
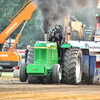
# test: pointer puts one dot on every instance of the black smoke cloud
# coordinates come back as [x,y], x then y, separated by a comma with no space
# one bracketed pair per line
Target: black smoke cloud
[53,11]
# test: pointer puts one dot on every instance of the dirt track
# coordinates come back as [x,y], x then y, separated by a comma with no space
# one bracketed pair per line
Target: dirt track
[13,89]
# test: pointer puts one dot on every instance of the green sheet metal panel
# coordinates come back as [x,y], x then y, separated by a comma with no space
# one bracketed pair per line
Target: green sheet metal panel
[45,44]
[35,68]
[45,53]
[54,56]
[67,45]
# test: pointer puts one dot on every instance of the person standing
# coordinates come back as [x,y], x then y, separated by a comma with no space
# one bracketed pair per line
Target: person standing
[26,53]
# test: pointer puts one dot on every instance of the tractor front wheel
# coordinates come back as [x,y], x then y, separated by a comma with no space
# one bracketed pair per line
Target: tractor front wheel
[56,73]
[23,74]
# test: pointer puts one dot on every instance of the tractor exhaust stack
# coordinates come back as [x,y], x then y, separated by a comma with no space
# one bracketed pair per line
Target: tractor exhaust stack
[46,36]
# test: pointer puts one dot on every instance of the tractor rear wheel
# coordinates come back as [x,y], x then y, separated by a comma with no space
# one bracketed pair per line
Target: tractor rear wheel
[30,57]
[72,66]
[56,73]
[30,60]
[23,74]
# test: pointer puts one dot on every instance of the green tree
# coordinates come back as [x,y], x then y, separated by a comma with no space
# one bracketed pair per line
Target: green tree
[32,31]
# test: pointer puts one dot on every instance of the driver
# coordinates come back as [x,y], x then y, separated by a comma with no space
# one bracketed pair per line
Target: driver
[55,35]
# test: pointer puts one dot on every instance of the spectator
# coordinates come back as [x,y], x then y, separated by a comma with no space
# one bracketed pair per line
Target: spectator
[26,53]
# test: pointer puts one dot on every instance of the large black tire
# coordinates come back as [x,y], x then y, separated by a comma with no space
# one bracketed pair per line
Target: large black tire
[30,60]
[30,57]
[56,73]
[23,74]
[33,79]
[72,66]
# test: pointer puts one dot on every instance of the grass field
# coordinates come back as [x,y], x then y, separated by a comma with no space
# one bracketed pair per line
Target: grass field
[7,74]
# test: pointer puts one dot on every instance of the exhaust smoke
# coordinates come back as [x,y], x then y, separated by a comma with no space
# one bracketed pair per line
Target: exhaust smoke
[54,11]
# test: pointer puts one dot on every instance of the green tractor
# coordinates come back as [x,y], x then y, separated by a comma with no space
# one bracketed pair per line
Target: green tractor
[53,61]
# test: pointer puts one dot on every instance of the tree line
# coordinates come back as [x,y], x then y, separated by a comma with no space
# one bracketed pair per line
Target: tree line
[32,30]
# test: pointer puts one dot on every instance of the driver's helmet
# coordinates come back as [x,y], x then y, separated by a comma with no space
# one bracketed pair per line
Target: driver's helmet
[52,31]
